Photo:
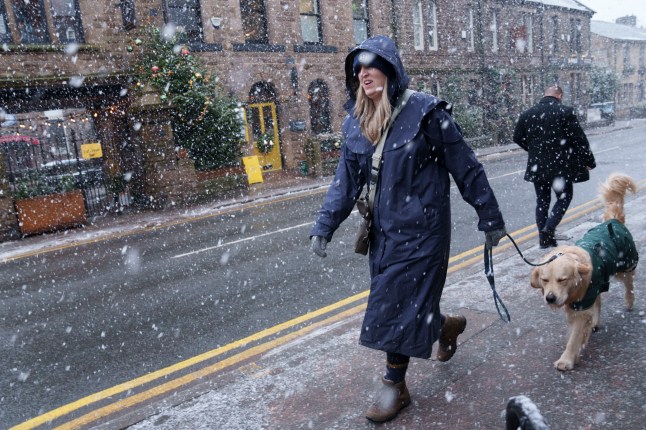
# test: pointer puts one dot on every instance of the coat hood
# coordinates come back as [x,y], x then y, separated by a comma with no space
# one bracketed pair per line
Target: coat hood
[384,47]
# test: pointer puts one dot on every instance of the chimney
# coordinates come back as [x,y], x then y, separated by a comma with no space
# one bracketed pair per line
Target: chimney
[630,20]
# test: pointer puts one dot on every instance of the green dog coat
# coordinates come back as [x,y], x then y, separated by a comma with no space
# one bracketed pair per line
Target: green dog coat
[612,250]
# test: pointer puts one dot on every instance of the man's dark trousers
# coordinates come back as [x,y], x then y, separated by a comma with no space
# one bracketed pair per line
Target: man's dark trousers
[543,200]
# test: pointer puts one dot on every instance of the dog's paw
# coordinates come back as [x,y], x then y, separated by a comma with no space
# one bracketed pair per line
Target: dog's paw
[564,364]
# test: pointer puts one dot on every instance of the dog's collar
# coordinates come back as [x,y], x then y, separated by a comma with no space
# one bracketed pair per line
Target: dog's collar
[552,258]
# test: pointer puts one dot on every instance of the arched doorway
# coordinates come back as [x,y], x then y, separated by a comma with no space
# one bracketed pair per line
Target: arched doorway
[262,127]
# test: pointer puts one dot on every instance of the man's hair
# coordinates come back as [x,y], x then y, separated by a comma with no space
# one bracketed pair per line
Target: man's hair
[373,119]
[554,91]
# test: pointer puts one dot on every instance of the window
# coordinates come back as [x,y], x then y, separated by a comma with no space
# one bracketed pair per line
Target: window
[319,98]
[186,16]
[494,30]
[418,38]
[575,86]
[128,14]
[5,34]
[521,35]
[528,85]
[554,48]
[575,36]
[626,55]
[310,21]
[254,21]
[67,21]
[628,94]
[30,21]
[529,33]
[470,41]
[641,56]
[360,20]
[431,25]
[641,95]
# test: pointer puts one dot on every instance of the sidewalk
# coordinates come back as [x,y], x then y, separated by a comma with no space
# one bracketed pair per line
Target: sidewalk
[325,380]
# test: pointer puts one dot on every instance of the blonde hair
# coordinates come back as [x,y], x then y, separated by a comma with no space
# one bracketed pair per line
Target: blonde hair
[373,119]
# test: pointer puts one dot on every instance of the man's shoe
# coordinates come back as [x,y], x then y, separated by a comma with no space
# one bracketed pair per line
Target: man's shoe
[390,399]
[546,239]
[452,328]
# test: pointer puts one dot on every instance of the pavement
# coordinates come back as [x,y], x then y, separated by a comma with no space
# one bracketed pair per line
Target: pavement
[312,374]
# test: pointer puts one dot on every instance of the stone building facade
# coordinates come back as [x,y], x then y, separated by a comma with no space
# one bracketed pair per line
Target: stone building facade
[621,47]
[283,61]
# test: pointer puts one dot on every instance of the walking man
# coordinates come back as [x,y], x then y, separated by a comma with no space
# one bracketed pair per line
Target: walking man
[558,155]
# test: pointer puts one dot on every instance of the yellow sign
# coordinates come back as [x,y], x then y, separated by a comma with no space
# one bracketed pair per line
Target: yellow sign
[91,150]
[252,167]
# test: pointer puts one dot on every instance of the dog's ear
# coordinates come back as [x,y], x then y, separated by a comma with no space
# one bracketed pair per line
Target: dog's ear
[584,268]
[533,279]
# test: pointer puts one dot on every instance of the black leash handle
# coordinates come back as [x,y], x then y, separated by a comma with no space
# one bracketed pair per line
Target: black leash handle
[488,268]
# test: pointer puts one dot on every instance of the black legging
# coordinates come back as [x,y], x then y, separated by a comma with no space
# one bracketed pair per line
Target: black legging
[543,199]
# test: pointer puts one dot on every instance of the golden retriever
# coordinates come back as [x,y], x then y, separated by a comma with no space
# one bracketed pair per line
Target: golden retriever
[576,277]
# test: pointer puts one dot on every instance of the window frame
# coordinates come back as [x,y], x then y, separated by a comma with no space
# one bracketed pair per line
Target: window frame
[262,19]
[418,26]
[529,33]
[80,34]
[323,115]
[128,14]
[47,38]
[5,37]
[431,25]
[494,31]
[470,30]
[555,34]
[316,14]
[198,14]
[364,19]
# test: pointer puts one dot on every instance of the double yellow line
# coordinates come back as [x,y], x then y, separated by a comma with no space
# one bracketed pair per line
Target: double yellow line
[338,311]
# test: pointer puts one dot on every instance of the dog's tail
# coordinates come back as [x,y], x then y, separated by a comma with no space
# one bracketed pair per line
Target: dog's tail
[613,192]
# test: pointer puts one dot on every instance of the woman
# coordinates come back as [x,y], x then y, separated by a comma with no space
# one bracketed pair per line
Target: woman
[411,224]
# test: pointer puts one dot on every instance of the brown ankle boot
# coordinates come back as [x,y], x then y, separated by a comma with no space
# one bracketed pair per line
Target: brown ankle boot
[390,399]
[452,328]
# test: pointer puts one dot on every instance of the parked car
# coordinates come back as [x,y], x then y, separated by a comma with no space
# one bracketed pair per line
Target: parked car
[607,111]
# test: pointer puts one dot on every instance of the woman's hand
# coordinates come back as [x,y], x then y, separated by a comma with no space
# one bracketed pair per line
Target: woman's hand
[318,246]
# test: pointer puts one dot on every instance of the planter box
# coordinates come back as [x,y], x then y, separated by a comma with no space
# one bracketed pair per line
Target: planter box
[51,212]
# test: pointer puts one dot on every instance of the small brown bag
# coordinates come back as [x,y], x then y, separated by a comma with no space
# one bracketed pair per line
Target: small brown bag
[362,242]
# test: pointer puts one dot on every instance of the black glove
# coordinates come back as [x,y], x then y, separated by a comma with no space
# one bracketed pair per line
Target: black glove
[319,243]
[493,237]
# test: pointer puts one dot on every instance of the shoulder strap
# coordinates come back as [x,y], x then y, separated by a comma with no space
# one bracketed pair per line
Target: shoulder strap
[379,149]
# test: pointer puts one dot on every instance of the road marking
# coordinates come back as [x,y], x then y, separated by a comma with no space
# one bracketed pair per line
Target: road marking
[246,239]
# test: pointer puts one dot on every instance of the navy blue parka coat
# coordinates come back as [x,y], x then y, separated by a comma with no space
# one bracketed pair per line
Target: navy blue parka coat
[411,229]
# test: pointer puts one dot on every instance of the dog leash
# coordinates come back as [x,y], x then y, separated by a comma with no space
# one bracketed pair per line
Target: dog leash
[488,268]
[552,258]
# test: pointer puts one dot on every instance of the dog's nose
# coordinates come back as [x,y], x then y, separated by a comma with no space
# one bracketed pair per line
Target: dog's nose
[550,298]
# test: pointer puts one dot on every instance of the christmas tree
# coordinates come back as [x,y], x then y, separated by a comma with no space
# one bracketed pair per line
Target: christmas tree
[205,118]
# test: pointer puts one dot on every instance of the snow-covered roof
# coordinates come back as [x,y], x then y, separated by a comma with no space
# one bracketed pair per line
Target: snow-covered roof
[617,31]
[568,4]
